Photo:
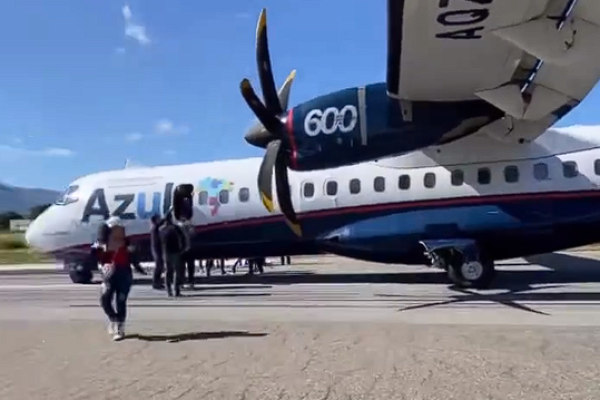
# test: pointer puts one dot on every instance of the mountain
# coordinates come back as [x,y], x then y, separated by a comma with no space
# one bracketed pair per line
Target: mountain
[21,200]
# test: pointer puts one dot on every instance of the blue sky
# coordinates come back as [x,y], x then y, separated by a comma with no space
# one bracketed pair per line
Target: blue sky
[84,85]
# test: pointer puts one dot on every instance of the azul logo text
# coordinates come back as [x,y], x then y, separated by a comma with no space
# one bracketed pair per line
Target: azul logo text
[128,206]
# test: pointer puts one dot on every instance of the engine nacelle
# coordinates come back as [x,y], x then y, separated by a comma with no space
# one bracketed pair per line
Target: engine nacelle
[364,123]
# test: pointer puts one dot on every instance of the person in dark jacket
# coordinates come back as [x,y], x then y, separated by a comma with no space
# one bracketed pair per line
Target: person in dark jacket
[187,257]
[157,253]
[256,263]
[173,245]
[133,258]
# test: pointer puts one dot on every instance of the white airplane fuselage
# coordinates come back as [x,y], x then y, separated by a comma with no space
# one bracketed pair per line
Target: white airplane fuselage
[515,200]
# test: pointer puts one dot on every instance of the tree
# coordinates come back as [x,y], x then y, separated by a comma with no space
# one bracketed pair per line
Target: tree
[35,211]
[6,217]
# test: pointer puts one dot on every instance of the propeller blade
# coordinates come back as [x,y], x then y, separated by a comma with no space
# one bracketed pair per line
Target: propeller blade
[265,174]
[263,61]
[256,135]
[284,90]
[269,120]
[284,196]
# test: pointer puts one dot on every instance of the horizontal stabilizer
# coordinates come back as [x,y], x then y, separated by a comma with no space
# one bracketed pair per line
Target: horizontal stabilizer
[508,98]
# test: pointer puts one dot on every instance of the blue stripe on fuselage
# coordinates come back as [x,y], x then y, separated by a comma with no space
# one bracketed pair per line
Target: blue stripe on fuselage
[237,238]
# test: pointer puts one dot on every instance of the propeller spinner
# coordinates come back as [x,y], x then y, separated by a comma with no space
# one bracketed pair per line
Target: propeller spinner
[272,134]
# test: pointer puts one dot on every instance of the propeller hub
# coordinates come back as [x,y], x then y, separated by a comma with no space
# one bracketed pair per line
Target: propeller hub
[259,136]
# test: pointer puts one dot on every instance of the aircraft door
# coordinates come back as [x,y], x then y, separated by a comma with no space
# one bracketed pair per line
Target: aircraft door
[183,201]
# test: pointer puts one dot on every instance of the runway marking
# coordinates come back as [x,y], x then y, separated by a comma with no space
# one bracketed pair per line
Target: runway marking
[51,286]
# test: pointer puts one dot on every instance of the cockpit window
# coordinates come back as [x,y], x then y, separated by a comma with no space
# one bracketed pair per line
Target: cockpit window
[68,196]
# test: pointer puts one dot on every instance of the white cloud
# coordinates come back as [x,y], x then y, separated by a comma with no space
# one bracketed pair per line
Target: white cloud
[134,137]
[167,127]
[12,153]
[133,30]
[126,12]
[56,152]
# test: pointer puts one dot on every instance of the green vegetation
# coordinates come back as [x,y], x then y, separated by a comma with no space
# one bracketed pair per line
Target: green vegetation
[13,250]
[34,212]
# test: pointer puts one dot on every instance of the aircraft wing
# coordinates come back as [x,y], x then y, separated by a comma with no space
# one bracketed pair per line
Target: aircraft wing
[533,59]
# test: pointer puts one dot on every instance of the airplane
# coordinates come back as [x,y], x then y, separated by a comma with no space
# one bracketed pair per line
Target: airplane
[476,80]
[509,68]
[459,207]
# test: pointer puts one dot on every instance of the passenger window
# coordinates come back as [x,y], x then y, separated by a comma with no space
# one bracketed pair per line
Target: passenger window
[244,195]
[354,186]
[203,198]
[511,174]
[597,167]
[404,182]
[429,180]
[540,171]
[309,190]
[484,176]
[570,169]
[458,177]
[379,184]
[224,196]
[331,188]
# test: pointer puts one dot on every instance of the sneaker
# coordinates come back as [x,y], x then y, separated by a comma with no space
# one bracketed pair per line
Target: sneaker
[119,333]
[112,328]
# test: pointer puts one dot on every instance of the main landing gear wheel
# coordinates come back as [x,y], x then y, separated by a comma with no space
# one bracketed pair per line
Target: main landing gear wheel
[472,274]
[79,274]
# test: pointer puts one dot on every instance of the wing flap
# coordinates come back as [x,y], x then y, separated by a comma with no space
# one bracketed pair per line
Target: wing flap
[509,99]
[444,50]
[570,70]
[533,59]
[574,43]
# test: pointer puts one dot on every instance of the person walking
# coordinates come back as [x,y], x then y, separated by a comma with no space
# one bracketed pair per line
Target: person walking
[157,253]
[188,256]
[117,281]
[173,245]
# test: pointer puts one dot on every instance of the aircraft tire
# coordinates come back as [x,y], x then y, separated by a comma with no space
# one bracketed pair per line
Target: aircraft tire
[476,275]
[79,274]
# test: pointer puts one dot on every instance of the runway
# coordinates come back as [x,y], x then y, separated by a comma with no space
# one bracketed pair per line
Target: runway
[323,328]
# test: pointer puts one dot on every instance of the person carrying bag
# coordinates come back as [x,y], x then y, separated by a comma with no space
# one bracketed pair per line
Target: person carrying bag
[117,281]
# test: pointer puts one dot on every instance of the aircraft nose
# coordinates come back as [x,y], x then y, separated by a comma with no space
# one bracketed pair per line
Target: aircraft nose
[32,235]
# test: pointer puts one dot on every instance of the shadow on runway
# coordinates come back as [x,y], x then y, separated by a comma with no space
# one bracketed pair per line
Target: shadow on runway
[563,268]
[209,295]
[184,337]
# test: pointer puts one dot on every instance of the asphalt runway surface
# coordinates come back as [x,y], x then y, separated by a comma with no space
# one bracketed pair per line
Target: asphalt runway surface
[332,328]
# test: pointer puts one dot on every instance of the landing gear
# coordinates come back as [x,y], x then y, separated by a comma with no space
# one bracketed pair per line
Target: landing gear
[462,260]
[79,273]
[477,274]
